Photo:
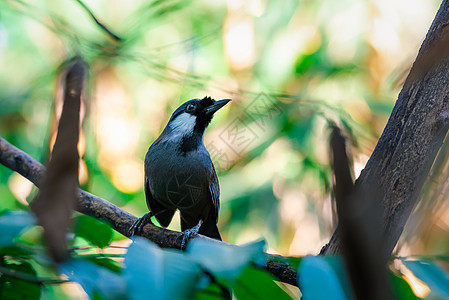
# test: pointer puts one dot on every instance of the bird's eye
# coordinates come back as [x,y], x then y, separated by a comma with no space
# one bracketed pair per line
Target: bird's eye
[190,107]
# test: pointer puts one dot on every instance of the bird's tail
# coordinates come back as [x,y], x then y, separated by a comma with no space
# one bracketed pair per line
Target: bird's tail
[210,229]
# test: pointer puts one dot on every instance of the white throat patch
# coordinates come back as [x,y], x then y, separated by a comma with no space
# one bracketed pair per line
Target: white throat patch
[183,125]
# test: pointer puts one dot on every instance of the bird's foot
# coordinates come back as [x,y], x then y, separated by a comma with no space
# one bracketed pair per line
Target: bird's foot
[187,234]
[137,226]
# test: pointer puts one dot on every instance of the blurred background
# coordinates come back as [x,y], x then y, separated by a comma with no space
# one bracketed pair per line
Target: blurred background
[290,67]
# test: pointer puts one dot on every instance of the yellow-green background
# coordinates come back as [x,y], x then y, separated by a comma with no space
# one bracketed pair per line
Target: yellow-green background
[312,62]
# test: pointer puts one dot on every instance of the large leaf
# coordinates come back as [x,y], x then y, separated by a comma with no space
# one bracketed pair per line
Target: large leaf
[257,284]
[432,274]
[317,280]
[95,279]
[12,223]
[94,231]
[16,251]
[225,262]
[210,292]
[107,263]
[338,265]
[14,288]
[153,273]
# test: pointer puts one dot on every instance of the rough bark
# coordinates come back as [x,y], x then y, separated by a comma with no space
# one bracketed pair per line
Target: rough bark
[412,137]
[120,220]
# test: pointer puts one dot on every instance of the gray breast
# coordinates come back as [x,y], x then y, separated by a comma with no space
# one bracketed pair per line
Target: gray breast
[179,181]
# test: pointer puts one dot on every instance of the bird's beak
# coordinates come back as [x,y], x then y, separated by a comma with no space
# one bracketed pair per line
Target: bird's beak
[216,106]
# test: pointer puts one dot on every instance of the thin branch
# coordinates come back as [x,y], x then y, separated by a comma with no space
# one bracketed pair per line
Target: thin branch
[105,29]
[120,220]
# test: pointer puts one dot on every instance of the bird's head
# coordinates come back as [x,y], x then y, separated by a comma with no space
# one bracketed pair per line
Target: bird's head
[192,118]
[195,115]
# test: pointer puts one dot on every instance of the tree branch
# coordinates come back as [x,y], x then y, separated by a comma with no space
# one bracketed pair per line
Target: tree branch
[412,137]
[120,220]
[359,227]
[103,27]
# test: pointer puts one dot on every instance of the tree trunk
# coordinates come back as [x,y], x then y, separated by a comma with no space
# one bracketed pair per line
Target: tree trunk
[412,137]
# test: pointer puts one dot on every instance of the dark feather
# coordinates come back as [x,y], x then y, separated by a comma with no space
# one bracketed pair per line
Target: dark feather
[162,214]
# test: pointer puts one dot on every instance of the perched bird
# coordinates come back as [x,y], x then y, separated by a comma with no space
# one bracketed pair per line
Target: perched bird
[179,173]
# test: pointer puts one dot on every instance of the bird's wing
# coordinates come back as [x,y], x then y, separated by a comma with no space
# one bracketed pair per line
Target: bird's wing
[148,195]
[215,193]
[162,214]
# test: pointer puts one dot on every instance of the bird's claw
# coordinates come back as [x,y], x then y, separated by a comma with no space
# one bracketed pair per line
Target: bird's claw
[187,234]
[137,226]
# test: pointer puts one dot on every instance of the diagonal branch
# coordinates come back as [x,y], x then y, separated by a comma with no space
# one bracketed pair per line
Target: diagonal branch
[120,220]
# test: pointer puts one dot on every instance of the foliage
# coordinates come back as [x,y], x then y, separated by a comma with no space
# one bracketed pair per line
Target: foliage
[321,65]
[205,271]
[145,270]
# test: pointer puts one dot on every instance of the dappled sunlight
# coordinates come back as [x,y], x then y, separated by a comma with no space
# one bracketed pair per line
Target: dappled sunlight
[117,135]
[306,239]
[359,164]
[292,69]
[239,42]
[420,289]
[336,62]
[20,187]
[127,176]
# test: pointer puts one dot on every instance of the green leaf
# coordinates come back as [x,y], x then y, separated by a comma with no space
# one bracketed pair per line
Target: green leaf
[15,251]
[211,292]
[338,265]
[107,263]
[299,132]
[8,200]
[255,283]
[12,223]
[401,288]
[317,280]
[32,236]
[153,273]
[12,288]
[432,274]
[226,262]
[94,231]
[95,279]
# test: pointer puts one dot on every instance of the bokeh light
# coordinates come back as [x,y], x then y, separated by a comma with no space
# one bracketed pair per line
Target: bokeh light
[289,66]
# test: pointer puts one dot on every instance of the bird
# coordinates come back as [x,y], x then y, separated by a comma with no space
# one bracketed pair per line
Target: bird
[180,175]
